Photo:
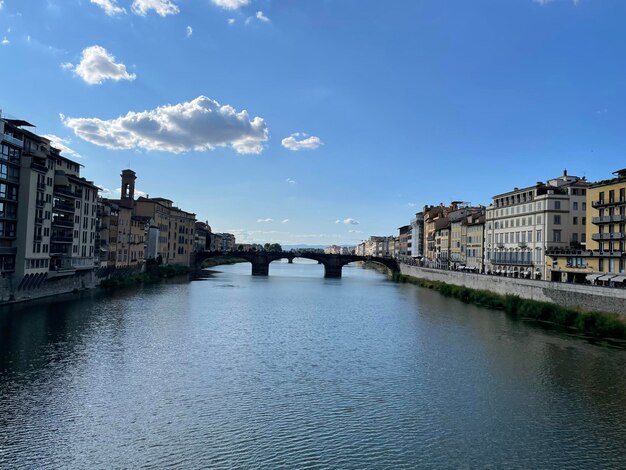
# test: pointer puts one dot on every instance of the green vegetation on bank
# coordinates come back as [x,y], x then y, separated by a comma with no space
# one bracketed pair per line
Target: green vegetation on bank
[598,324]
[153,275]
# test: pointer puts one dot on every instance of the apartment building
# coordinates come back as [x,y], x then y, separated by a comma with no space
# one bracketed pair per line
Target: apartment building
[48,212]
[603,259]
[415,239]
[403,241]
[522,224]
[173,229]
[474,241]
[201,236]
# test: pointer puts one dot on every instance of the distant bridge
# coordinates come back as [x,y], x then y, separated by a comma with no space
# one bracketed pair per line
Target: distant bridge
[261,260]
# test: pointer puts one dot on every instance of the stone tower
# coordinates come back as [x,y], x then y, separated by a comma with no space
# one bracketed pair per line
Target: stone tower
[127,198]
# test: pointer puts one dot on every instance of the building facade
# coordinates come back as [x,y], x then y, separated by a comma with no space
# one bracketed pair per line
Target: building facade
[522,224]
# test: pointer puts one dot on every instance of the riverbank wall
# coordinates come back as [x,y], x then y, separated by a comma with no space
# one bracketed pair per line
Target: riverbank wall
[577,296]
[33,287]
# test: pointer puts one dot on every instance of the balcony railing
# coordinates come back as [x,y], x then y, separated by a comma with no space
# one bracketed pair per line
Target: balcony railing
[67,192]
[40,203]
[512,262]
[62,239]
[608,219]
[608,236]
[38,220]
[62,222]
[62,206]
[13,140]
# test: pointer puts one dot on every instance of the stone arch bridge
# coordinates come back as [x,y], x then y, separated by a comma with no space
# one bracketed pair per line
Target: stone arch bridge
[261,260]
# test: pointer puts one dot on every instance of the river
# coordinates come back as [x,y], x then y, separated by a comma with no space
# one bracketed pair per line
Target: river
[297,371]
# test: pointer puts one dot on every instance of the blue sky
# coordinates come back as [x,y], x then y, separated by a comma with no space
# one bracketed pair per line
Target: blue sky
[358,112]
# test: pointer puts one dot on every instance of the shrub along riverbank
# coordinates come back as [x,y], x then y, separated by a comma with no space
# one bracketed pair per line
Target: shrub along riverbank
[598,324]
[153,275]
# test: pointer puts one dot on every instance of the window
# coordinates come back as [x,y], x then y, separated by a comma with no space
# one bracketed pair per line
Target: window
[575,205]
[538,236]
[575,220]
[557,205]
[556,236]
[557,220]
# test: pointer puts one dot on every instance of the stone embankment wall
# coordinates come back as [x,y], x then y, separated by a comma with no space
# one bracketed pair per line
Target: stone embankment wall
[18,291]
[592,298]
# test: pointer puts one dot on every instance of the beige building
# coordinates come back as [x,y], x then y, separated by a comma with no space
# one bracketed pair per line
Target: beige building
[175,228]
[602,260]
[474,241]
[522,224]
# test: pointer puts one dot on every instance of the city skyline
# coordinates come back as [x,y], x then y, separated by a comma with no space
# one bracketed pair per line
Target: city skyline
[357,114]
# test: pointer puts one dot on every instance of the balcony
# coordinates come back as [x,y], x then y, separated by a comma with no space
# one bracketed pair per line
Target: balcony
[605,202]
[37,237]
[61,222]
[38,220]
[62,239]
[40,203]
[13,140]
[63,207]
[67,192]
[512,262]
[609,219]
[608,236]
[39,167]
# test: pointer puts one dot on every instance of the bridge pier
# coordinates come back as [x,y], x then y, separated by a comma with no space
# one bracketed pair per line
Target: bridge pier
[290,260]
[260,269]
[332,271]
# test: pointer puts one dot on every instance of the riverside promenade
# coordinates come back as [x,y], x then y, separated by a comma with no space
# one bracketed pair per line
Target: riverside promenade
[592,298]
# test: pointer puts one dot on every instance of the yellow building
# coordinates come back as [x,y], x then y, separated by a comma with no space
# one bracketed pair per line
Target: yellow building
[603,259]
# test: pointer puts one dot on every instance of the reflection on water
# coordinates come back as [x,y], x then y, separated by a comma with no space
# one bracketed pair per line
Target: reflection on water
[298,371]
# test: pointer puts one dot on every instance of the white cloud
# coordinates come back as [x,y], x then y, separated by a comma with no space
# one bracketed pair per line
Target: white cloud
[201,124]
[231,4]
[5,41]
[97,65]
[354,231]
[545,2]
[160,7]
[137,192]
[305,143]
[231,21]
[265,221]
[110,7]
[62,144]
[104,191]
[290,181]
[284,221]
[412,204]
[348,221]
[1,4]
[189,31]
[261,17]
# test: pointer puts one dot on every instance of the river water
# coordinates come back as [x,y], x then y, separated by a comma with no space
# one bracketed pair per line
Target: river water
[297,371]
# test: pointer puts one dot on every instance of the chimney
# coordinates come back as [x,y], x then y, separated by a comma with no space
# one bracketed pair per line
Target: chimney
[565,172]
[127,198]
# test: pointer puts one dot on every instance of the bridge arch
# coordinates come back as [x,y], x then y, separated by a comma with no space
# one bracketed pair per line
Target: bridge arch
[261,260]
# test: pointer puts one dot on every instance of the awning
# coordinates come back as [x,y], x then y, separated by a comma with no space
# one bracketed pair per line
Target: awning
[619,279]
[593,277]
[606,277]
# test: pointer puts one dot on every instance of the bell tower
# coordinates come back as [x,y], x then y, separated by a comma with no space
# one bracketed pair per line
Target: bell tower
[127,198]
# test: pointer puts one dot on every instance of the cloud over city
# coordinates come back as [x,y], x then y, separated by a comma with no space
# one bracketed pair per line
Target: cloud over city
[348,221]
[62,144]
[98,65]
[110,7]
[200,125]
[231,4]
[300,141]
[160,7]
[265,221]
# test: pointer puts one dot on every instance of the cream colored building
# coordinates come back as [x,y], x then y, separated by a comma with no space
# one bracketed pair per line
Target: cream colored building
[522,224]
[603,258]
